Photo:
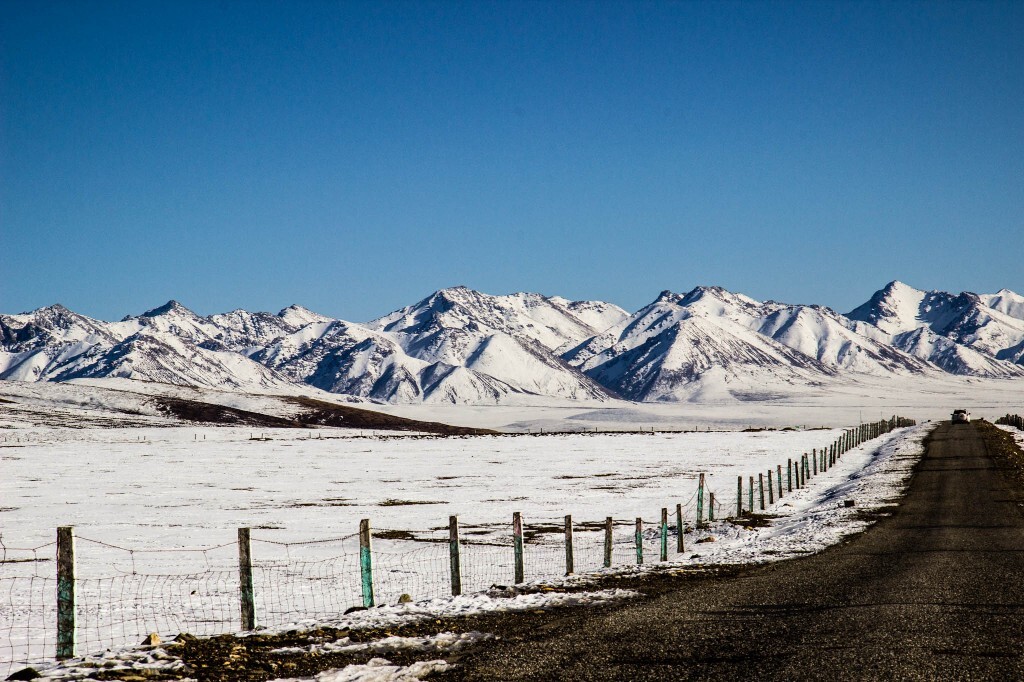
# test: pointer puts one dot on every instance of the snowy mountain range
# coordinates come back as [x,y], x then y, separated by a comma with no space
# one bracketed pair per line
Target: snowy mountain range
[462,346]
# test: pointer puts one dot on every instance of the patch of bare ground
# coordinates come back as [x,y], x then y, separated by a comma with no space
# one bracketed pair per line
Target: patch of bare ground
[316,413]
[196,411]
[322,413]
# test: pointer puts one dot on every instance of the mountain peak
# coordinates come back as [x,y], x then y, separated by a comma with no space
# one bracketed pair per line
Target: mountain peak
[54,308]
[299,316]
[171,306]
[457,294]
[667,296]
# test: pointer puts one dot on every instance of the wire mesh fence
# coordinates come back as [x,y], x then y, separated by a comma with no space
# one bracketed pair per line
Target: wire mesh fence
[120,602]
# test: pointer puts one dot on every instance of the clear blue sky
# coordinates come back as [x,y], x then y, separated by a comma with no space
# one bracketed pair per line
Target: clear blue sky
[353,157]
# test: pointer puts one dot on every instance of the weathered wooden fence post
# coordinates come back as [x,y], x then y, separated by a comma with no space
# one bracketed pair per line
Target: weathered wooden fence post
[814,461]
[569,569]
[608,542]
[789,474]
[771,488]
[455,555]
[66,631]
[760,488]
[638,536]
[739,496]
[246,595]
[711,506]
[517,546]
[679,528]
[750,493]
[664,534]
[366,562]
[778,477]
[700,502]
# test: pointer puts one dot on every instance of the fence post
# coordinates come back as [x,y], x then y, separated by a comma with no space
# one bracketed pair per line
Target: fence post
[608,542]
[366,562]
[700,502]
[679,528]
[778,472]
[66,634]
[664,533]
[517,546]
[711,506]
[814,461]
[454,554]
[246,598]
[739,496]
[750,492]
[771,488]
[638,536]
[568,545]
[760,488]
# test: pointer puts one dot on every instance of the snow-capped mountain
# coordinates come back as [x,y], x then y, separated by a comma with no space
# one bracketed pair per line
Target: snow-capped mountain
[966,333]
[713,342]
[457,346]
[462,346]
[509,338]
[553,322]
[169,344]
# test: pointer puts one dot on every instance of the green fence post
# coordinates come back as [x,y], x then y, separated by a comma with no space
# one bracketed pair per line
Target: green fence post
[366,562]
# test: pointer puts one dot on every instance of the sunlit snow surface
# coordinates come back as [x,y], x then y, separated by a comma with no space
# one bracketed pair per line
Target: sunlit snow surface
[181,489]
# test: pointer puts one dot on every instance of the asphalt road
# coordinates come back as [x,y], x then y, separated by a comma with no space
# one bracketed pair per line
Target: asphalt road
[933,592]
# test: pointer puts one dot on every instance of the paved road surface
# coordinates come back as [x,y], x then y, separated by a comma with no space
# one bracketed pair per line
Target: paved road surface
[934,592]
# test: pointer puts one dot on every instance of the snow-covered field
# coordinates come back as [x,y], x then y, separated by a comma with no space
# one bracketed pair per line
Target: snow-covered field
[835,403]
[156,512]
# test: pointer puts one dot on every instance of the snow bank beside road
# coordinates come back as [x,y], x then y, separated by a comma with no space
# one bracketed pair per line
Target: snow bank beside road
[808,520]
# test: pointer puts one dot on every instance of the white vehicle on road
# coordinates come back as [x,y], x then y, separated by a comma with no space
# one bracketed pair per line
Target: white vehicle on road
[961,416]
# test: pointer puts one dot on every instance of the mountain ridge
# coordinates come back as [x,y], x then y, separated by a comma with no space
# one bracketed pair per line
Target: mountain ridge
[462,346]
